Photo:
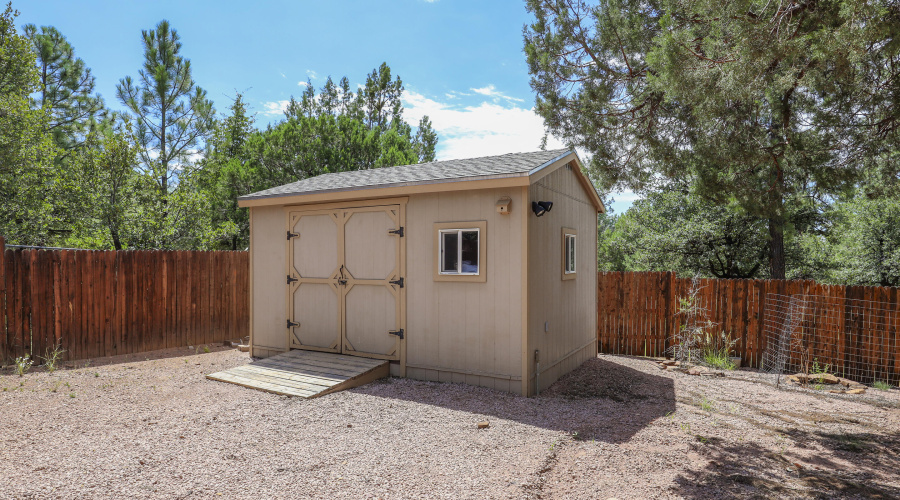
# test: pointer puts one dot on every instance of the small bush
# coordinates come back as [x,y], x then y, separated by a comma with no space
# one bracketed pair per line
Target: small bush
[23,364]
[882,385]
[54,355]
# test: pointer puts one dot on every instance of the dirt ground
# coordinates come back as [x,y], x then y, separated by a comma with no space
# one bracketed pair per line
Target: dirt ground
[151,426]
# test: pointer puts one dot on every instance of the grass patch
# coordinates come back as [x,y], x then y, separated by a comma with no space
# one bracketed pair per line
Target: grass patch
[882,385]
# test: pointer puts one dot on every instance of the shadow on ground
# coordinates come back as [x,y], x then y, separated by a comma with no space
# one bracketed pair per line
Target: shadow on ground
[600,400]
[747,470]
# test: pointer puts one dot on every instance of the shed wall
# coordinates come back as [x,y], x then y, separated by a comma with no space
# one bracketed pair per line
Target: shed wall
[267,269]
[466,331]
[569,307]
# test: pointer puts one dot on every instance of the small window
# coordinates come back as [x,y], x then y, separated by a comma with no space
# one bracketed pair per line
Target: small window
[460,251]
[568,253]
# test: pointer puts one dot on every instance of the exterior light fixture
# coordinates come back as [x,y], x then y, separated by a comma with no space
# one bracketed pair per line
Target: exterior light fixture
[541,207]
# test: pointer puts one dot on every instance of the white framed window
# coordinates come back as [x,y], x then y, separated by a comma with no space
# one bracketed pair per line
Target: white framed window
[460,251]
[569,244]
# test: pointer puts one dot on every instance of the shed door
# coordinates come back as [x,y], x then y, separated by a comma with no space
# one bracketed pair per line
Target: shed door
[347,264]
[314,283]
[372,294]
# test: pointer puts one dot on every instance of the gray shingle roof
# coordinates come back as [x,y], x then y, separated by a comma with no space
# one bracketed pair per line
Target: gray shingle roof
[508,165]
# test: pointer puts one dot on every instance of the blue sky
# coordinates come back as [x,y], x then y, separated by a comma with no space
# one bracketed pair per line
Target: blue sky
[461,61]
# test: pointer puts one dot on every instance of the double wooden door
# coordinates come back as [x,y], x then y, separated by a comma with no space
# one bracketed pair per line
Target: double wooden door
[346,279]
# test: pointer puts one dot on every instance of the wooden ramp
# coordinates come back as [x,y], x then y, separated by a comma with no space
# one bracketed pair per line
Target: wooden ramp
[307,374]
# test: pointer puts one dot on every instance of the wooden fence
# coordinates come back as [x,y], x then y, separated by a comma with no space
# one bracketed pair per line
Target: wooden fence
[637,316]
[105,303]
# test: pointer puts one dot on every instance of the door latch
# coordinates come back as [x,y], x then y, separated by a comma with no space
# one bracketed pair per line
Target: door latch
[398,333]
[291,324]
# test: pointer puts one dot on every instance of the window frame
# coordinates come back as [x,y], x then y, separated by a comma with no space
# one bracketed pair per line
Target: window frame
[568,233]
[441,228]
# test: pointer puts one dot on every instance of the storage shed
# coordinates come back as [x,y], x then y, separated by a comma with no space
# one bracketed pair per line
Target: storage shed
[482,271]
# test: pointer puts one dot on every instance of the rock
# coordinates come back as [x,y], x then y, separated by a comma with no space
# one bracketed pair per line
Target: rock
[661,366]
[484,425]
[669,362]
[244,348]
[856,391]
[697,370]
[816,378]
[836,392]
[349,426]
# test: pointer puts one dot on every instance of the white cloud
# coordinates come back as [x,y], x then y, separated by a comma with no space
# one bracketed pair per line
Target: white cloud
[302,84]
[491,91]
[274,107]
[479,130]
[312,74]
[282,75]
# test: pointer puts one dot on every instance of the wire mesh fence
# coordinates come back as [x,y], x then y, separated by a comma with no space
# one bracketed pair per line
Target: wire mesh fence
[851,337]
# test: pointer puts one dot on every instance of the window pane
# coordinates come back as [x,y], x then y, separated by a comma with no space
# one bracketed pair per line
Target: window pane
[449,252]
[571,254]
[470,252]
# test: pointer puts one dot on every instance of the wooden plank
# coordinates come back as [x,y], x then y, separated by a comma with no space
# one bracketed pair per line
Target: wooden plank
[256,384]
[337,359]
[290,378]
[311,366]
[273,377]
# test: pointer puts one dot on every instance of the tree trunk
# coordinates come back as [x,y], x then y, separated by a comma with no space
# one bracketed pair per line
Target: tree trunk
[117,242]
[776,248]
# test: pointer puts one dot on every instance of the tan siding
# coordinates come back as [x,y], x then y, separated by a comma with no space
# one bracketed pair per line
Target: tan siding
[570,306]
[267,242]
[464,331]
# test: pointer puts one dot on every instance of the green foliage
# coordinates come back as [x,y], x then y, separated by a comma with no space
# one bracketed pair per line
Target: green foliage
[66,91]
[868,242]
[26,153]
[106,188]
[882,385]
[333,131]
[168,174]
[676,231]
[715,351]
[760,104]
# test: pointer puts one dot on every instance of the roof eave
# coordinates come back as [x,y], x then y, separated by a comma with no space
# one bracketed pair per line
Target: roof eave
[392,189]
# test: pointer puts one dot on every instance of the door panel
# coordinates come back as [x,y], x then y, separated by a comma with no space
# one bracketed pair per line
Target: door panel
[371,313]
[317,309]
[370,251]
[315,249]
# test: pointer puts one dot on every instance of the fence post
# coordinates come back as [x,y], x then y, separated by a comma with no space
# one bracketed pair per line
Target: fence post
[3,342]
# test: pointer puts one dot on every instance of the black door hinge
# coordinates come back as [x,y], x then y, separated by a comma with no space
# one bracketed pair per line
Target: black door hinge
[292,235]
[291,280]
[291,324]
[398,333]
[396,231]
[398,282]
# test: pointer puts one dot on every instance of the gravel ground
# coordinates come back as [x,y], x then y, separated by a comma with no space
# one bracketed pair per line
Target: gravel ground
[151,426]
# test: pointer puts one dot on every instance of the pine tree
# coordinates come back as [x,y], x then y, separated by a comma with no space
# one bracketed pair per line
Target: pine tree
[173,114]
[66,87]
